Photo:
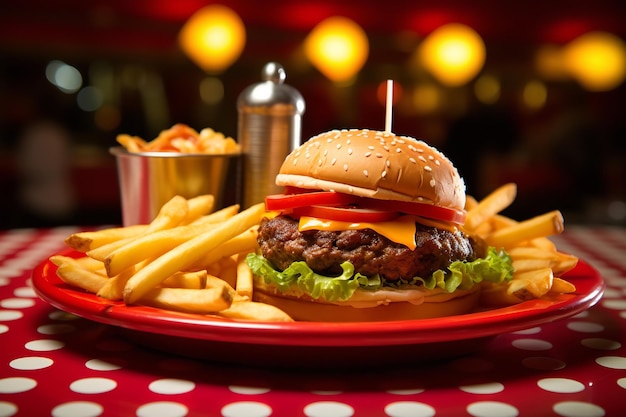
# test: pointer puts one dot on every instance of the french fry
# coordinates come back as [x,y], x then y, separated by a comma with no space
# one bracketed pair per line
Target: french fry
[113,289]
[72,273]
[489,206]
[524,265]
[150,246]
[244,242]
[198,207]
[565,263]
[243,286]
[531,284]
[217,216]
[194,280]
[189,252]
[253,310]
[86,241]
[561,286]
[543,225]
[201,301]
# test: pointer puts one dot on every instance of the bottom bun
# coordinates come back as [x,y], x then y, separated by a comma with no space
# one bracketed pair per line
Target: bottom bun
[309,310]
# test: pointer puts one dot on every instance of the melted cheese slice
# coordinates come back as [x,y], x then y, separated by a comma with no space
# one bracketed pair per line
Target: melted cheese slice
[400,230]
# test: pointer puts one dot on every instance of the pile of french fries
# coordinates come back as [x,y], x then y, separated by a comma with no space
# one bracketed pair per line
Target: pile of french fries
[538,265]
[184,139]
[188,259]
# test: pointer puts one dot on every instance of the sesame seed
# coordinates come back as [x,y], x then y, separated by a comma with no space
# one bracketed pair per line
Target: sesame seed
[320,162]
[345,167]
[334,161]
[432,182]
[371,148]
[339,146]
[307,155]
[379,155]
[386,148]
[365,173]
[398,150]
[368,154]
[348,141]
[384,174]
[437,162]
[413,161]
[420,150]
[427,168]
[349,151]
[295,161]
[350,189]
[388,163]
[421,158]
[432,158]
[325,152]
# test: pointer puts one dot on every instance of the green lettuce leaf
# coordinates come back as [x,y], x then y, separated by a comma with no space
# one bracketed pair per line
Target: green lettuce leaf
[300,279]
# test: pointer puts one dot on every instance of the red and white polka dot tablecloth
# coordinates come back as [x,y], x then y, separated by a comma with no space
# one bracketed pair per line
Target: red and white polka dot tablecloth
[54,363]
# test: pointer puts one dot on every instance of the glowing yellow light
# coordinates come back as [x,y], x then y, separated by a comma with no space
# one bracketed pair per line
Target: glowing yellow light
[487,89]
[453,53]
[597,60]
[213,37]
[535,95]
[338,48]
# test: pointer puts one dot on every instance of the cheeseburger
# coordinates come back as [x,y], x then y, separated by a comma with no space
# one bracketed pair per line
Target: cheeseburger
[370,228]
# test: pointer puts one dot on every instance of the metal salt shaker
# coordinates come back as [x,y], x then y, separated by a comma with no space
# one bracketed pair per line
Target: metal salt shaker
[269,128]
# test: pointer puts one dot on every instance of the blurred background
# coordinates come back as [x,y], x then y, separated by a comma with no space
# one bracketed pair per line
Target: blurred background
[531,92]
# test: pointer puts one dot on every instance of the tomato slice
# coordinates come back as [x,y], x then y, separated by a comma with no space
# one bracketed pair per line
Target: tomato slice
[324,198]
[346,214]
[349,204]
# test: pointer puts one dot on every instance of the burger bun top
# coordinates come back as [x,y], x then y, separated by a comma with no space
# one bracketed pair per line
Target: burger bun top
[374,164]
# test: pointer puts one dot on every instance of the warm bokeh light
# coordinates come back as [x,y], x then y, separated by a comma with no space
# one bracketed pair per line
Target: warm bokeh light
[487,89]
[213,38]
[338,48]
[535,94]
[597,60]
[453,53]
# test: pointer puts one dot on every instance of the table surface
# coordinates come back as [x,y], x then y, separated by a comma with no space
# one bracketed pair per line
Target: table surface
[54,363]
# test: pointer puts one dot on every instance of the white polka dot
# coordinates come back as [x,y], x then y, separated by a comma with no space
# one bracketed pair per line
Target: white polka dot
[4,282]
[532,330]
[248,390]
[543,363]
[615,304]
[16,384]
[601,344]
[246,408]
[328,409]
[7,409]
[10,315]
[406,391]
[30,363]
[409,409]
[17,303]
[55,329]
[491,409]
[611,293]
[585,327]
[162,409]
[101,365]
[532,344]
[93,385]
[26,292]
[44,345]
[486,388]
[622,382]
[560,385]
[78,409]
[3,328]
[577,409]
[613,362]
[171,386]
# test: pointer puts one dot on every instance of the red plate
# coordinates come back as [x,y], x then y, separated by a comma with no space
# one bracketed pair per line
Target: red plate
[315,343]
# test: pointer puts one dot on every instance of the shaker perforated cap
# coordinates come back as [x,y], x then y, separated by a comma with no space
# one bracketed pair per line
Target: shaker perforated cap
[271,95]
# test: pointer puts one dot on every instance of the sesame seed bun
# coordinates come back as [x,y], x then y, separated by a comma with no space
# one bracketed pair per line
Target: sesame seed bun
[374,164]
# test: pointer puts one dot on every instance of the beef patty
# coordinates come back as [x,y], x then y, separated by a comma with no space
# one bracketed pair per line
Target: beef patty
[282,243]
